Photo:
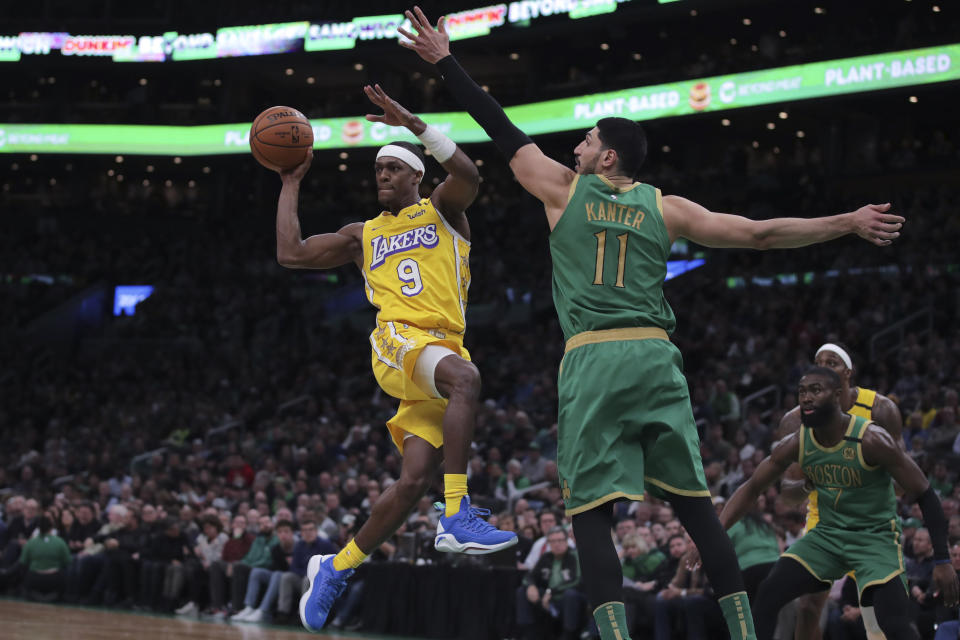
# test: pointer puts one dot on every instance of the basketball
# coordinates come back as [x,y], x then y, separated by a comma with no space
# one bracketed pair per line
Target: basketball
[279,136]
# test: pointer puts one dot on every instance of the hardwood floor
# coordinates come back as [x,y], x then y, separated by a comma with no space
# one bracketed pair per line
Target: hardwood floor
[21,620]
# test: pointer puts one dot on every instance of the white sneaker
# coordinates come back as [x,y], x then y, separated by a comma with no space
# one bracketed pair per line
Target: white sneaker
[188,609]
[242,615]
[256,616]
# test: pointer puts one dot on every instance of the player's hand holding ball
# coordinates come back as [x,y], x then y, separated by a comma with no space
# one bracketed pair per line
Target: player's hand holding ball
[280,137]
[298,171]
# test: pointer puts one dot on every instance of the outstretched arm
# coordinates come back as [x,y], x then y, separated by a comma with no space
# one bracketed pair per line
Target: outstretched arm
[784,453]
[879,448]
[458,191]
[687,219]
[323,251]
[794,488]
[548,180]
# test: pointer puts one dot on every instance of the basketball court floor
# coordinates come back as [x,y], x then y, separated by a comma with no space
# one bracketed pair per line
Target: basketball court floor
[21,620]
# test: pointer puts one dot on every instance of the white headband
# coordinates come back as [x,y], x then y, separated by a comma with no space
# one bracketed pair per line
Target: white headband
[396,151]
[837,350]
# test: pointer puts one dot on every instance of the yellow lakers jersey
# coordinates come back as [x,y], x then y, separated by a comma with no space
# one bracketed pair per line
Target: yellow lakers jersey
[863,408]
[416,269]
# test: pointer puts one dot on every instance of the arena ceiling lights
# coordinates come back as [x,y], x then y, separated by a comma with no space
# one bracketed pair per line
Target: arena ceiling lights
[784,84]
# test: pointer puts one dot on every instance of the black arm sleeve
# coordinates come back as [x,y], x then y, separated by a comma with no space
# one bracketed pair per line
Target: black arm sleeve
[483,108]
[936,523]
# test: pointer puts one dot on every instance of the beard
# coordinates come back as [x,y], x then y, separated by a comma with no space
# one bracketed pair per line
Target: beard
[819,417]
[587,168]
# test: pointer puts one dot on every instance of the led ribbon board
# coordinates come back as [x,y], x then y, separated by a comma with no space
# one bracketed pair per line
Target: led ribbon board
[785,84]
[287,37]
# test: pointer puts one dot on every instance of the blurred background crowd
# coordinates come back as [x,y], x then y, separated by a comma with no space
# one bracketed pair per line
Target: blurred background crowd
[191,456]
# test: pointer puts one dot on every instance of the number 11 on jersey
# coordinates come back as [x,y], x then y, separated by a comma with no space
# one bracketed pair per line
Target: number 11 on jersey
[621,258]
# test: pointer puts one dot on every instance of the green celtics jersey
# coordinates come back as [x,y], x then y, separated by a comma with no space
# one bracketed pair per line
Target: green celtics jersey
[852,494]
[753,543]
[610,251]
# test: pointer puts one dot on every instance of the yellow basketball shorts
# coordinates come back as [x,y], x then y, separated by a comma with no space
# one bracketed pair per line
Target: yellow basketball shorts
[395,348]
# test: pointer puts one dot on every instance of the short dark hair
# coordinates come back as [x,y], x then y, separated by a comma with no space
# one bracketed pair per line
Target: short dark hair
[824,372]
[214,522]
[412,148]
[628,139]
[283,523]
[676,535]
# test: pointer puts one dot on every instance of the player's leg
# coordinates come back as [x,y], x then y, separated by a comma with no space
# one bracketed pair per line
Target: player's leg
[870,623]
[328,575]
[788,580]
[420,462]
[600,459]
[891,605]
[809,612]
[601,573]
[699,518]
[457,380]
[673,470]
[441,373]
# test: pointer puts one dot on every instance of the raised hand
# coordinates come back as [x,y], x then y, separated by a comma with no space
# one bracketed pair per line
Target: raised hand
[394,114]
[875,225]
[429,43]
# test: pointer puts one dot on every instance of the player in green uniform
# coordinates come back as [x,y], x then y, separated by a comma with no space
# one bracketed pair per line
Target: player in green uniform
[851,463]
[625,421]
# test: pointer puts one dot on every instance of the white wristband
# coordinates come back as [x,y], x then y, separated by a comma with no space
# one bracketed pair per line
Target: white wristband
[440,146]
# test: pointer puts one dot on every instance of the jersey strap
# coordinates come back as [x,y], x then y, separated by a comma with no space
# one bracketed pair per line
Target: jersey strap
[864,402]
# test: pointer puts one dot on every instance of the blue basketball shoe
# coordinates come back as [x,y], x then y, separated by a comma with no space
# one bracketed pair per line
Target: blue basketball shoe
[326,585]
[466,532]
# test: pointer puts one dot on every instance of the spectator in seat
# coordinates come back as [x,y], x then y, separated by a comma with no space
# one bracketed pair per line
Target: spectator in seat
[549,593]
[45,557]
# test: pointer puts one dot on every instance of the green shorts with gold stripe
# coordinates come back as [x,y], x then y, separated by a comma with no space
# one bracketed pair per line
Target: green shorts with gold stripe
[625,421]
[875,556]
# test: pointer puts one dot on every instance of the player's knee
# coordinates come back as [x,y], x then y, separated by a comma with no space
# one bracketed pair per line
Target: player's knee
[412,486]
[466,381]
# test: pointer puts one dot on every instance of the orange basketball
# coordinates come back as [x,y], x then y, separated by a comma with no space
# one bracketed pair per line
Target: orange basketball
[279,137]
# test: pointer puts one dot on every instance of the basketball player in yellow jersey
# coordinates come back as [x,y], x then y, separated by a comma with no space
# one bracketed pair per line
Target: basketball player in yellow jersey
[414,260]
[856,401]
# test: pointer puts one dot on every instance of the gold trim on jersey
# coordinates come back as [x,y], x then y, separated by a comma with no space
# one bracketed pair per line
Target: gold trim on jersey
[805,566]
[839,445]
[863,431]
[886,579]
[800,461]
[606,498]
[660,202]
[703,493]
[573,188]
[613,335]
[606,181]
